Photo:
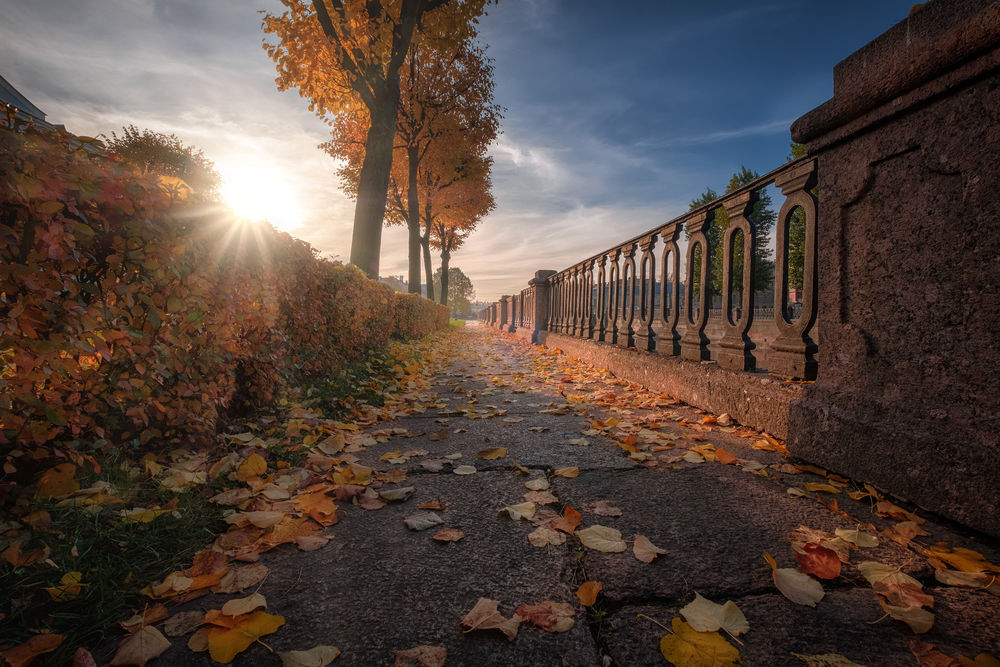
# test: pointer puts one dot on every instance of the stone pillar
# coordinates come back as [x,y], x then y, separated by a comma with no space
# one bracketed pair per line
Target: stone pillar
[504,312]
[907,248]
[542,291]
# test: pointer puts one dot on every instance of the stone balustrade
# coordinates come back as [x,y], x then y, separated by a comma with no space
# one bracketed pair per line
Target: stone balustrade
[635,295]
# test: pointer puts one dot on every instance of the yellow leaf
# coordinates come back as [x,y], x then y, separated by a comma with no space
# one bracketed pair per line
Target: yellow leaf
[537,484]
[570,472]
[141,515]
[960,558]
[493,453]
[825,488]
[69,588]
[58,481]
[688,648]
[224,644]
[519,511]
[856,537]
[254,466]
[602,538]
[920,620]
[241,606]
[587,592]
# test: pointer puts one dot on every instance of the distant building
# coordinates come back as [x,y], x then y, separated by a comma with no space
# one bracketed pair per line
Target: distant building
[17,107]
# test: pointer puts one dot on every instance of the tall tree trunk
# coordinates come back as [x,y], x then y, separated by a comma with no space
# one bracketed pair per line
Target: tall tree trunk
[373,184]
[445,257]
[413,218]
[425,241]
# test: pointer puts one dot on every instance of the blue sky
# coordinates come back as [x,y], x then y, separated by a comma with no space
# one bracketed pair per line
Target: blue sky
[618,113]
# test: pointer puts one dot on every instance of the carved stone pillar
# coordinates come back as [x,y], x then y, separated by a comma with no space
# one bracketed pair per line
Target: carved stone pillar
[735,346]
[694,344]
[668,340]
[645,337]
[614,296]
[629,294]
[541,301]
[601,316]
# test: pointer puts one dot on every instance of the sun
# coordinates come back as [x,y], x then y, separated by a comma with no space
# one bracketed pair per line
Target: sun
[261,192]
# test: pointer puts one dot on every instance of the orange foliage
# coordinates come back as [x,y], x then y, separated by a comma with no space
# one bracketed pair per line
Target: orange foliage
[129,315]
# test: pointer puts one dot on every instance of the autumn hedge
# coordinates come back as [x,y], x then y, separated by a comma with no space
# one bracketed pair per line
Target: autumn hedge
[132,313]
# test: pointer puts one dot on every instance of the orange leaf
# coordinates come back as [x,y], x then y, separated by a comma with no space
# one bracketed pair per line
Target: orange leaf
[224,644]
[587,592]
[58,481]
[22,654]
[254,466]
[819,561]
[724,457]
[568,522]
[449,535]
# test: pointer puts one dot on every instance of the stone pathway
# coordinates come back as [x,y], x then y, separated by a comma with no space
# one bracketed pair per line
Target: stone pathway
[378,587]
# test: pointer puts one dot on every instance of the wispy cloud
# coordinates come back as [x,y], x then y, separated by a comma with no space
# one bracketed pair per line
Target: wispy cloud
[763,129]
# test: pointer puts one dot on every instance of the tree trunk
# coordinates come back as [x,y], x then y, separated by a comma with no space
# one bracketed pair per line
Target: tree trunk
[413,219]
[425,241]
[445,257]
[373,184]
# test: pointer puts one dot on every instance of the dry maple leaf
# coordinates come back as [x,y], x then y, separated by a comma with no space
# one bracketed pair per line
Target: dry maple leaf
[568,522]
[485,616]
[587,592]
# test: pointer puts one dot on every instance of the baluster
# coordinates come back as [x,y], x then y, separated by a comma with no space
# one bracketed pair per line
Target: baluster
[735,347]
[574,301]
[563,302]
[614,294]
[588,298]
[602,298]
[554,303]
[793,352]
[668,340]
[628,302]
[646,335]
[694,344]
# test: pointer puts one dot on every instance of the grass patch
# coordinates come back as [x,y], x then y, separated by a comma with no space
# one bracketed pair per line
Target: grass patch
[454,324]
[116,560]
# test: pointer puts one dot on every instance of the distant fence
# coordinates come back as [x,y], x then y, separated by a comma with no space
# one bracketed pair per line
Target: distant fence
[635,294]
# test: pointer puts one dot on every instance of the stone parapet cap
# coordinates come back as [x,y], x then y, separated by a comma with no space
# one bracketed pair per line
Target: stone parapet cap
[935,39]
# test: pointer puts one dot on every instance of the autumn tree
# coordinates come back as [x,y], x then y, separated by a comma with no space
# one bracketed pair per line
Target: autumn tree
[446,96]
[346,55]
[460,290]
[165,155]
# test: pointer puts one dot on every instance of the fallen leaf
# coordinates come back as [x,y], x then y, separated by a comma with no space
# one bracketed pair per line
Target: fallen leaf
[548,615]
[537,484]
[690,648]
[960,558]
[928,656]
[422,521]
[570,472]
[903,595]
[492,453]
[254,466]
[140,648]
[645,550]
[449,535]
[83,658]
[693,457]
[788,469]
[969,579]
[874,571]
[856,537]
[920,620]
[17,558]
[231,497]
[818,561]
[568,522]
[311,542]
[149,616]
[22,654]
[440,435]
[794,585]
[180,624]
[704,615]
[392,476]
[422,656]
[888,509]
[818,486]
[69,587]
[58,481]
[485,616]
[542,536]
[261,519]
[587,592]
[465,470]
[724,457]
[370,500]
[601,508]
[241,606]
[519,511]
[602,538]
[826,660]
[317,656]
[198,642]
[225,643]
[396,495]
[241,578]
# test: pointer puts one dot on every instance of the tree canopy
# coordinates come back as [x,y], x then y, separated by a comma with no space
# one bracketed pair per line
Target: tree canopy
[165,155]
[347,55]
[460,290]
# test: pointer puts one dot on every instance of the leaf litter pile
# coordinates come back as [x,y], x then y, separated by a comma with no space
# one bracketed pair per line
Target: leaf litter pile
[285,483]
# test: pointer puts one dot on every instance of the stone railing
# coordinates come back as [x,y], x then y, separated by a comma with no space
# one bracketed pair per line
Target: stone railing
[634,294]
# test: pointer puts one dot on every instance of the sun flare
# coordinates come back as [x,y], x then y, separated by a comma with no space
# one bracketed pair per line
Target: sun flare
[260,192]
